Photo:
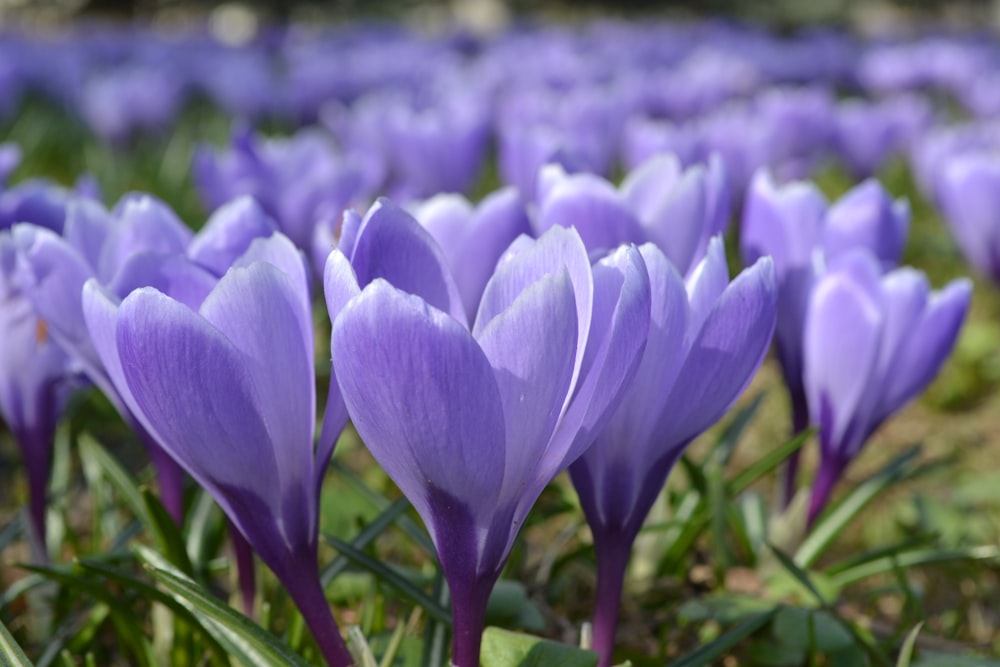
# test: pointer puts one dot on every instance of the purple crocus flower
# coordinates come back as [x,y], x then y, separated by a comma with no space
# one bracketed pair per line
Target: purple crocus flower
[295,180]
[795,225]
[141,242]
[34,384]
[473,239]
[872,342]
[679,210]
[228,389]
[968,188]
[473,425]
[706,340]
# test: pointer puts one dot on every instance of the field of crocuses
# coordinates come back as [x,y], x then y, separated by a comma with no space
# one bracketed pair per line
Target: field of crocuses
[299,336]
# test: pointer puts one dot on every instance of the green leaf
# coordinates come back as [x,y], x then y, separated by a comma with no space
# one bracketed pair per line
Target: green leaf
[367,535]
[764,465]
[911,559]
[726,609]
[906,651]
[11,654]
[724,447]
[503,648]
[510,606]
[167,533]
[121,479]
[832,522]
[705,655]
[800,575]
[390,576]
[245,640]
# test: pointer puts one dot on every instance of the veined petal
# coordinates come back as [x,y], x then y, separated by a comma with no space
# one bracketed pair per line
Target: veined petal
[175,275]
[278,251]
[260,310]
[193,392]
[86,230]
[705,285]
[926,346]
[228,234]
[680,223]
[557,250]
[423,397]
[392,245]
[618,333]
[842,339]
[594,208]
[143,223]
[532,348]
[340,286]
[723,356]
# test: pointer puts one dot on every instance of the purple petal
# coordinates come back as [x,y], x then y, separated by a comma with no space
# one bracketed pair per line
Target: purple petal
[705,285]
[724,355]
[423,397]
[143,224]
[866,217]
[392,245]
[785,223]
[194,392]
[927,345]
[532,349]
[841,344]
[340,286]
[228,234]
[174,275]
[557,250]
[87,227]
[594,208]
[278,251]
[264,314]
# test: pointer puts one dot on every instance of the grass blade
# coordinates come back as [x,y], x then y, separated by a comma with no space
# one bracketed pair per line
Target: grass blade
[764,465]
[248,642]
[912,559]
[364,538]
[11,654]
[711,652]
[831,523]
[390,576]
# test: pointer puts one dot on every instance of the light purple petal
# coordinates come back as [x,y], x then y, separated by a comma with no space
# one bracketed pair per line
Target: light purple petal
[928,344]
[724,355]
[840,350]
[783,222]
[422,396]
[340,286]
[174,275]
[392,245]
[594,208]
[866,217]
[705,285]
[143,223]
[557,250]
[228,234]
[193,392]
[532,349]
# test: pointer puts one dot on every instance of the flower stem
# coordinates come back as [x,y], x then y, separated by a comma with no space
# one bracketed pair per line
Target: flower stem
[245,572]
[827,477]
[613,550]
[304,587]
[468,611]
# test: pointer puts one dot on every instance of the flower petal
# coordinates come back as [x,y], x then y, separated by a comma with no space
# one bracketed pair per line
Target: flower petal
[423,397]
[724,355]
[840,351]
[228,234]
[532,349]
[392,245]
[192,391]
[594,208]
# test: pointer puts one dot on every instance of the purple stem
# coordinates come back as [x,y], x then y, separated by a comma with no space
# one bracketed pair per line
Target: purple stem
[171,479]
[612,550]
[468,613]
[790,471]
[37,451]
[827,477]
[245,572]
[304,587]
